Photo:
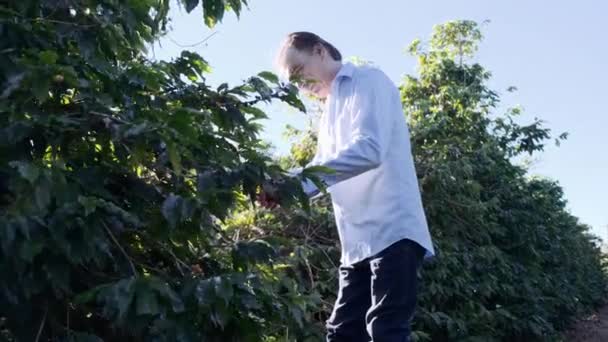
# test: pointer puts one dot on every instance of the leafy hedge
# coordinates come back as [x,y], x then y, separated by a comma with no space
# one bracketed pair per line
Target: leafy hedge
[116,173]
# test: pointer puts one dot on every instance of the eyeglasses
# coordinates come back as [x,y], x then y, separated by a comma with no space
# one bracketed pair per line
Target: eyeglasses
[294,74]
[296,78]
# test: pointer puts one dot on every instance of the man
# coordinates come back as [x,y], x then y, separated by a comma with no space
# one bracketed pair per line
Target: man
[363,136]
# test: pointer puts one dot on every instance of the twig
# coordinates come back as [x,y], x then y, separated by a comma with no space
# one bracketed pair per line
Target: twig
[63,22]
[120,247]
[177,260]
[127,148]
[328,258]
[52,13]
[41,19]
[68,319]
[110,117]
[10,11]
[146,266]
[46,311]
[223,235]
[310,275]
[195,44]
[7,50]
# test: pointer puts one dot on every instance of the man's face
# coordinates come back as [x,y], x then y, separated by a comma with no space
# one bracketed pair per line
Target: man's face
[306,71]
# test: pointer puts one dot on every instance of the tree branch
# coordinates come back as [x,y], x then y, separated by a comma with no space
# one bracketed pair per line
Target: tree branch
[120,248]
[46,311]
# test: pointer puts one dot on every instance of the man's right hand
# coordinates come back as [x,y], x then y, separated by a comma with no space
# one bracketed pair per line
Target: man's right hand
[269,196]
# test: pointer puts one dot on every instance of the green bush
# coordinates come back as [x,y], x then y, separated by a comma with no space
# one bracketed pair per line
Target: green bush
[116,173]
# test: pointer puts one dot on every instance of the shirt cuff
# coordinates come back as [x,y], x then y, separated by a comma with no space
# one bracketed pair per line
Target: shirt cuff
[310,189]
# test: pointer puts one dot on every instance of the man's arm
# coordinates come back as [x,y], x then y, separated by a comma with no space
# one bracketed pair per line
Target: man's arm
[372,124]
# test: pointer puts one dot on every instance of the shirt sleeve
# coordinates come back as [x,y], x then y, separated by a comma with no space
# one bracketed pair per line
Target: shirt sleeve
[372,124]
[308,186]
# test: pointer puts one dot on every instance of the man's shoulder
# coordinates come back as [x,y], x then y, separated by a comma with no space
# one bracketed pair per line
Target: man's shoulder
[371,75]
[369,72]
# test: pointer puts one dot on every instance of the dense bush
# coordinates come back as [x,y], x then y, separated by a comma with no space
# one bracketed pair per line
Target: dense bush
[116,173]
[514,264]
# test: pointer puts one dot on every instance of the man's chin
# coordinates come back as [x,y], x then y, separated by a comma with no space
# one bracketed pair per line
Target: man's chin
[319,94]
[316,96]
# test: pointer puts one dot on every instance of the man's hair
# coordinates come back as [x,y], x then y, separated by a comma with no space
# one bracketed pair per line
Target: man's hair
[306,41]
[303,41]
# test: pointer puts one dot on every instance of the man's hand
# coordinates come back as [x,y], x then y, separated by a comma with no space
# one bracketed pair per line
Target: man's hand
[269,197]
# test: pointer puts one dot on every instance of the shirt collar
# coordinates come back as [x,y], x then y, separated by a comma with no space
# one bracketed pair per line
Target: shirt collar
[345,71]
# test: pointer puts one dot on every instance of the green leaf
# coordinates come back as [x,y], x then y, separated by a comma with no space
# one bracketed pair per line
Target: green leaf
[205,182]
[254,251]
[89,204]
[181,121]
[297,315]
[201,65]
[235,115]
[7,236]
[191,4]
[261,87]
[269,76]
[256,112]
[175,157]
[293,100]
[213,11]
[220,316]
[223,288]
[208,290]
[171,209]
[146,302]
[136,129]
[304,200]
[117,297]
[30,249]
[83,337]
[13,83]
[89,295]
[318,169]
[26,170]
[165,291]
[40,89]
[43,196]
[235,5]
[48,57]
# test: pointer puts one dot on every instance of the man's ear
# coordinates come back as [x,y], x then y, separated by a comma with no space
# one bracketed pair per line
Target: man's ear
[319,50]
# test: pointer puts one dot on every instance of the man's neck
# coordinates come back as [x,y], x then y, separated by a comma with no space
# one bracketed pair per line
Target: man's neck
[333,70]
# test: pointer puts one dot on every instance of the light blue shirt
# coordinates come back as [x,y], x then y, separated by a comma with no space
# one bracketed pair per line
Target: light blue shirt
[363,136]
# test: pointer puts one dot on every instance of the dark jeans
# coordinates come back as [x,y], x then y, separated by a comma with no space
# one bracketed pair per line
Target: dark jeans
[377,296]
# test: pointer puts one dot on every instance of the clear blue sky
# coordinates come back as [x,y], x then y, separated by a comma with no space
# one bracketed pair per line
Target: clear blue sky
[554,51]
